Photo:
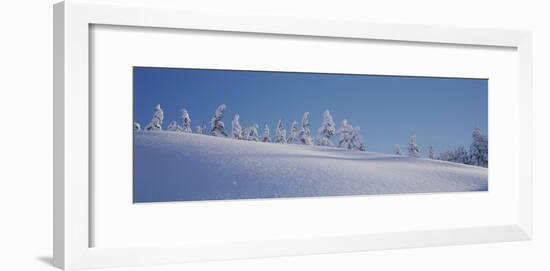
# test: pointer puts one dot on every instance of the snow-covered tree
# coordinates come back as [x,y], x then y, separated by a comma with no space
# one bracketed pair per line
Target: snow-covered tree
[236,129]
[431,154]
[462,156]
[326,131]
[356,141]
[186,120]
[397,149]
[156,121]
[293,136]
[200,129]
[251,133]
[137,127]
[266,137]
[345,133]
[457,155]
[414,150]
[280,133]
[216,123]
[305,132]
[174,127]
[479,151]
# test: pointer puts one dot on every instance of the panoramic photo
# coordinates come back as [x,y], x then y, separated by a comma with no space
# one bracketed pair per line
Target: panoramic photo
[204,134]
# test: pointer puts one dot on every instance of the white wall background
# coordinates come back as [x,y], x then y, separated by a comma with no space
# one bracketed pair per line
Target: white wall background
[26,133]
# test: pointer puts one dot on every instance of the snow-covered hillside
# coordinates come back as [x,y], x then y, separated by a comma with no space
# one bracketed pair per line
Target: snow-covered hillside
[175,166]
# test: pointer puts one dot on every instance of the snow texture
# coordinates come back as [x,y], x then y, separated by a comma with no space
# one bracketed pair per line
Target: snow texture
[173,166]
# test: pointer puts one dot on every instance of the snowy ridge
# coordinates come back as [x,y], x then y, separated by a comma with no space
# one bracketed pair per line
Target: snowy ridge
[175,166]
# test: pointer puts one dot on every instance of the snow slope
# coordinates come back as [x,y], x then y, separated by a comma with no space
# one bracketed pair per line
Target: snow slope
[173,166]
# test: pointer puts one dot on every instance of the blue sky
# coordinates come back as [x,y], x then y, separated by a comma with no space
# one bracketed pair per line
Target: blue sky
[440,111]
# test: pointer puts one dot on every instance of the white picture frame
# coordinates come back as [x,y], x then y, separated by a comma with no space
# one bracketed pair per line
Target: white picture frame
[72,21]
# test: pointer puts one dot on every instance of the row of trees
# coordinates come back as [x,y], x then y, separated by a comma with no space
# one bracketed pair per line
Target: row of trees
[478,154]
[349,137]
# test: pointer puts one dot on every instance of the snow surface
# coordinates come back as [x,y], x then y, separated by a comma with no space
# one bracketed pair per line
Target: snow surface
[174,166]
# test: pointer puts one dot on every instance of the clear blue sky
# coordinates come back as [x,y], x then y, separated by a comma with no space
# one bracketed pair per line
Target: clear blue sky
[440,111]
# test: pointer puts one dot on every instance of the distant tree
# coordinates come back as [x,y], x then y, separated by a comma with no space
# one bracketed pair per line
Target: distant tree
[174,127]
[293,136]
[414,150]
[461,156]
[236,129]
[253,133]
[326,131]
[186,120]
[357,140]
[280,133]
[479,151]
[345,133]
[266,137]
[305,132]
[156,121]
[457,155]
[137,127]
[431,154]
[200,129]
[216,123]
[398,149]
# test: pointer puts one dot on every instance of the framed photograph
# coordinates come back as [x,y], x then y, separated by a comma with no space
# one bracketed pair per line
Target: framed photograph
[190,136]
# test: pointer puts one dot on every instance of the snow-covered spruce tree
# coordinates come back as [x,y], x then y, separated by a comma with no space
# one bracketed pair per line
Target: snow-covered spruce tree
[156,121]
[457,155]
[216,123]
[253,133]
[266,137]
[414,150]
[186,120]
[137,127]
[326,131]
[462,156]
[293,136]
[200,129]
[236,129]
[479,151]
[431,154]
[397,149]
[305,132]
[280,133]
[174,127]
[357,142]
[345,133]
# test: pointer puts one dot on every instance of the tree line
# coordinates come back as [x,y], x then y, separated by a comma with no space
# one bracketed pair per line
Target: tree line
[349,136]
[477,155]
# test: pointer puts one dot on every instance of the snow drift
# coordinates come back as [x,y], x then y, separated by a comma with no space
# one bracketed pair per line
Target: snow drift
[175,166]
